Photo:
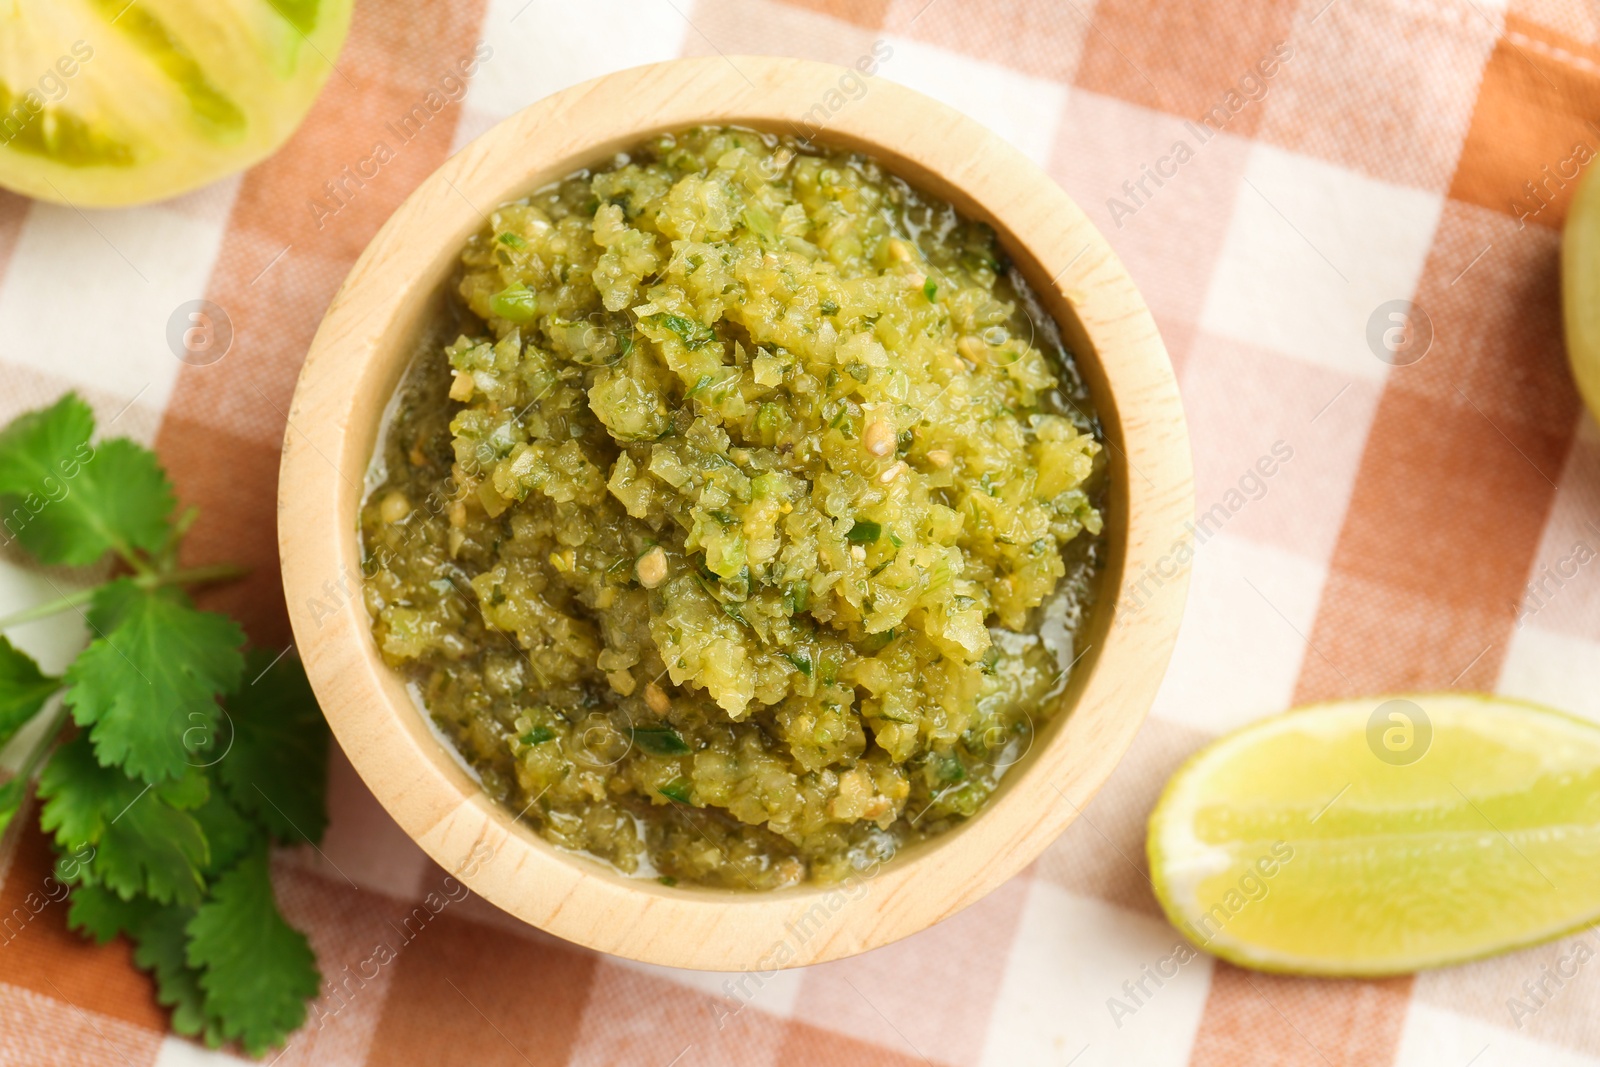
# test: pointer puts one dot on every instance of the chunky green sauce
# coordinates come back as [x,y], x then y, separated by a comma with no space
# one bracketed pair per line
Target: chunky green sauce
[742,533]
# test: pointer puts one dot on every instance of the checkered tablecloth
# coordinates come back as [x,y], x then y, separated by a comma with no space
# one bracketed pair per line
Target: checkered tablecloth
[1273,174]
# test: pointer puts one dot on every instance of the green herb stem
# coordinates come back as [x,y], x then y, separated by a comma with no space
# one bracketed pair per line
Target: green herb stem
[133,559]
[215,572]
[58,719]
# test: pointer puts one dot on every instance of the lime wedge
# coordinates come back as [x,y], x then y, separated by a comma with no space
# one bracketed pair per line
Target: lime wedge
[1385,835]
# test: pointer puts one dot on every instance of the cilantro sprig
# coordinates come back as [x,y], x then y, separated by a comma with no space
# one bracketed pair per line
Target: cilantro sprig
[170,758]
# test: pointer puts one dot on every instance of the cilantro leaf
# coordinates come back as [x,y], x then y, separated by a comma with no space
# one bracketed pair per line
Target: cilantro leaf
[155,845]
[69,501]
[23,689]
[693,334]
[146,688]
[257,971]
[660,740]
[144,838]
[163,951]
[276,771]
[101,914]
[863,532]
[229,835]
[160,936]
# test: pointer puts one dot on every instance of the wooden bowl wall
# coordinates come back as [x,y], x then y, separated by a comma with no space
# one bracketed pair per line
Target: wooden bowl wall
[370,335]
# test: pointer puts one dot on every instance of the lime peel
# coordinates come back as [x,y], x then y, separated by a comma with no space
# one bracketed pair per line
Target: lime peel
[1300,844]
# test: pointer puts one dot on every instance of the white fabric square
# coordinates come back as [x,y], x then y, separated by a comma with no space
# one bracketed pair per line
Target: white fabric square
[1434,1037]
[88,295]
[1562,592]
[1312,250]
[775,994]
[1025,111]
[1549,667]
[1251,608]
[1072,989]
[529,62]
[177,1052]
[53,642]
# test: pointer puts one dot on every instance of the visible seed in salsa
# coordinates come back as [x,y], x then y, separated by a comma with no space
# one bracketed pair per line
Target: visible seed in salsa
[652,567]
[667,529]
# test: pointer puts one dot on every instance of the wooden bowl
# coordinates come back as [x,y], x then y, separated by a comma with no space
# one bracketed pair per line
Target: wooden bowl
[370,334]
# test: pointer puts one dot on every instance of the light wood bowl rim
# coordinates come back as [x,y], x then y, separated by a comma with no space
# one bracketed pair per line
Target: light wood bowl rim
[369,334]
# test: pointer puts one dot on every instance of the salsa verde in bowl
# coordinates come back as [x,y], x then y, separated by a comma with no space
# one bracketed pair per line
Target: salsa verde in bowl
[846,895]
[742,531]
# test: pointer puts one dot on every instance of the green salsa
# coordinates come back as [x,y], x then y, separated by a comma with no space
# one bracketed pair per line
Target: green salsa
[741,532]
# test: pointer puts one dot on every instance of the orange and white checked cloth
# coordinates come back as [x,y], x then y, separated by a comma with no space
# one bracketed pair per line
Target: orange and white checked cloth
[1272,172]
